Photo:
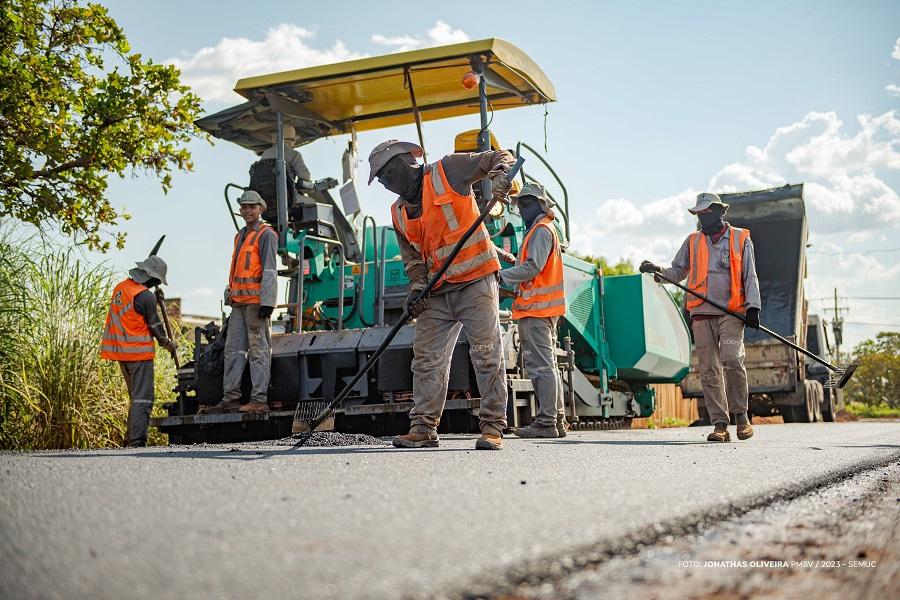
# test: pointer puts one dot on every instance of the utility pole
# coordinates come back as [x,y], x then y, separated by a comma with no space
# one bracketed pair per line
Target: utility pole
[837,325]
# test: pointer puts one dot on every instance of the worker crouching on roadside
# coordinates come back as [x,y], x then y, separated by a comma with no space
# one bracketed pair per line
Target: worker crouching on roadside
[251,292]
[435,207]
[131,325]
[540,302]
[718,263]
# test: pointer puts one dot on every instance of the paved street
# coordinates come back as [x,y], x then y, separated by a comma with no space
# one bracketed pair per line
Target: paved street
[239,521]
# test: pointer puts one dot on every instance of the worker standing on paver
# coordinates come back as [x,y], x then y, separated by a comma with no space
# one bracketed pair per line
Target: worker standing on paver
[436,206]
[540,302]
[718,263]
[131,325]
[251,292]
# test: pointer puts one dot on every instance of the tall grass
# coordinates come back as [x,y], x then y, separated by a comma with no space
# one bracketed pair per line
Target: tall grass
[55,390]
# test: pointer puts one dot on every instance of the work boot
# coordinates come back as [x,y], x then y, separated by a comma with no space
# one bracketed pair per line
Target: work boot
[255,408]
[720,434]
[744,431]
[537,431]
[491,438]
[225,406]
[562,426]
[417,439]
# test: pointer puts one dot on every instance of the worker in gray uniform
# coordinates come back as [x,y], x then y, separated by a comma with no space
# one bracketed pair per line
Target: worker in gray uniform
[718,263]
[435,207]
[251,292]
[540,302]
[293,160]
[131,325]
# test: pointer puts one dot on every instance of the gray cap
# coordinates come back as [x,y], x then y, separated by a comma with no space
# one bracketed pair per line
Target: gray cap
[155,267]
[704,201]
[538,191]
[251,197]
[385,151]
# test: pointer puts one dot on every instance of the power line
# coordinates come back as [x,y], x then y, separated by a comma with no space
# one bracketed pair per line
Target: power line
[829,299]
[872,324]
[841,252]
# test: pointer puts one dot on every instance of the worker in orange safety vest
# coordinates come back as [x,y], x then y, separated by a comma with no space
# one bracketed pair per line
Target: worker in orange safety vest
[718,263]
[540,301]
[131,324]
[435,207]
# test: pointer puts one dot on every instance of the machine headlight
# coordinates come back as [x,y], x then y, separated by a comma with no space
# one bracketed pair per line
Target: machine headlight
[496,210]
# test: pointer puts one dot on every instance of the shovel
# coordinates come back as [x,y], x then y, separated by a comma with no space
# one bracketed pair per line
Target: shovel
[161,303]
[839,375]
[307,428]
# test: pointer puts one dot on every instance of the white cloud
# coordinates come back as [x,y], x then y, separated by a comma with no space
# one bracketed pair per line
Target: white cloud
[213,71]
[893,90]
[440,34]
[896,52]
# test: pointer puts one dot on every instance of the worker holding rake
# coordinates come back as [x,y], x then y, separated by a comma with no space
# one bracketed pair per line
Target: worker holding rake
[718,263]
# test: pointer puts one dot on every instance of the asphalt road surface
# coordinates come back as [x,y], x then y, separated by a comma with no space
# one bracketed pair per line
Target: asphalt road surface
[239,521]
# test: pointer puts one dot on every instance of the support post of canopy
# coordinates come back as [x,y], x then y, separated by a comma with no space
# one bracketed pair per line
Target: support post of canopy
[407,75]
[280,182]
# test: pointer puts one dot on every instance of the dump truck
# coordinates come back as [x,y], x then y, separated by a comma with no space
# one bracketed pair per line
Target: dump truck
[781,381]
[344,281]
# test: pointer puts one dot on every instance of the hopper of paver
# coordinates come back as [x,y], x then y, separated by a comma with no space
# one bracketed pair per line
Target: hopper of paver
[647,335]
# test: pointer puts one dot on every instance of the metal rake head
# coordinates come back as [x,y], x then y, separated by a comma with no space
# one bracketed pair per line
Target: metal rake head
[840,376]
[306,414]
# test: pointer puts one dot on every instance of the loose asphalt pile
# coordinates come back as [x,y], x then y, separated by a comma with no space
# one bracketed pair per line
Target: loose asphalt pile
[331,438]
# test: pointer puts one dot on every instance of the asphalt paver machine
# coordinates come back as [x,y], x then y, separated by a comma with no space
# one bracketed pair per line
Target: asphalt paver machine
[343,280]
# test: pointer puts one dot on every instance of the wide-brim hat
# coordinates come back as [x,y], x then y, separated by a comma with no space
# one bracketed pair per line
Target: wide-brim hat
[537,191]
[155,267]
[387,150]
[252,197]
[704,201]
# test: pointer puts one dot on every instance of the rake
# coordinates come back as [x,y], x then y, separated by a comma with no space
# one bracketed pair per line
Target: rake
[838,377]
[306,428]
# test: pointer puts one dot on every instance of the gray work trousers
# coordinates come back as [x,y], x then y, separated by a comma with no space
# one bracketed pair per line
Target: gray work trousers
[249,339]
[720,347]
[139,381]
[475,310]
[538,336]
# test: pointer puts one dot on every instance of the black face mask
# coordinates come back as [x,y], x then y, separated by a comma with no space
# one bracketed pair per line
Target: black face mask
[529,209]
[402,176]
[152,282]
[711,222]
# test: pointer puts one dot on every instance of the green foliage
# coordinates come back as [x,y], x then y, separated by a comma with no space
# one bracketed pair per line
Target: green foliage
[623,267]
[877,380]
[55,390]
[67,121]
[873,411]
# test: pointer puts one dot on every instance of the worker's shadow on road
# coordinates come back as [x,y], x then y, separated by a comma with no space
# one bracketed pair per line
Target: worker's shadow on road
[569,441]
[248,454]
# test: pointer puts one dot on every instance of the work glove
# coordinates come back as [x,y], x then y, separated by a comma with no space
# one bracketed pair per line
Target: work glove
[227,296]
[505,256]
[752,318]
[415,308]
[500,186]
[649,267]
[170,346]
[265,311]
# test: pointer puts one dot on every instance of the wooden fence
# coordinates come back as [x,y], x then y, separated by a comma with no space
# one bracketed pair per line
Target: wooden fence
[669,405]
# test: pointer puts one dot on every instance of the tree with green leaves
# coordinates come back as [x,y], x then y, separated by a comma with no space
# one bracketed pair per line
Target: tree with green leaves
[75,106]
[877,380]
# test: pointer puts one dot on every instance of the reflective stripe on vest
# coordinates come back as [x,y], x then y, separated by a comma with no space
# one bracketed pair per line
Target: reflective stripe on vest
[126,335]
[698,275]
[446,215]
[245,279]
[543,296]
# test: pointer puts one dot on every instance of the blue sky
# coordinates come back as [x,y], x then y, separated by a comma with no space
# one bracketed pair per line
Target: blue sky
[657,101]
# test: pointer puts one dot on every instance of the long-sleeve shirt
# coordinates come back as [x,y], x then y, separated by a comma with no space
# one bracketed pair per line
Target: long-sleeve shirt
[268,249]
[718,284]
[145,305]
[292,160]
[462,170]
[540,245]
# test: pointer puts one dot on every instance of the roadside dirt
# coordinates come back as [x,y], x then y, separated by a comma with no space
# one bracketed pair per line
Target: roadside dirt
[838,542]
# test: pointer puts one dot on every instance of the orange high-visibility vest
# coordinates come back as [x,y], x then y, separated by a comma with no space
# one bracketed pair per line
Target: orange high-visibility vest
[126,336]
[245,279]
[543,296]
[446,215]
[699,265]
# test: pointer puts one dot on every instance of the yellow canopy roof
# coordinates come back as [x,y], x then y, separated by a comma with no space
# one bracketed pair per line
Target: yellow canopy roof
[374,93]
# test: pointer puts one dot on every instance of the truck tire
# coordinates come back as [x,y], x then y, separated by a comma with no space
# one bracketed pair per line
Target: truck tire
[829,409]
[816,393]
[810,395]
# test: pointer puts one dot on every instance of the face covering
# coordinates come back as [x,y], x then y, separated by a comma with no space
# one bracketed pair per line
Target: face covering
[530,210]
[711,222]
[402,175]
